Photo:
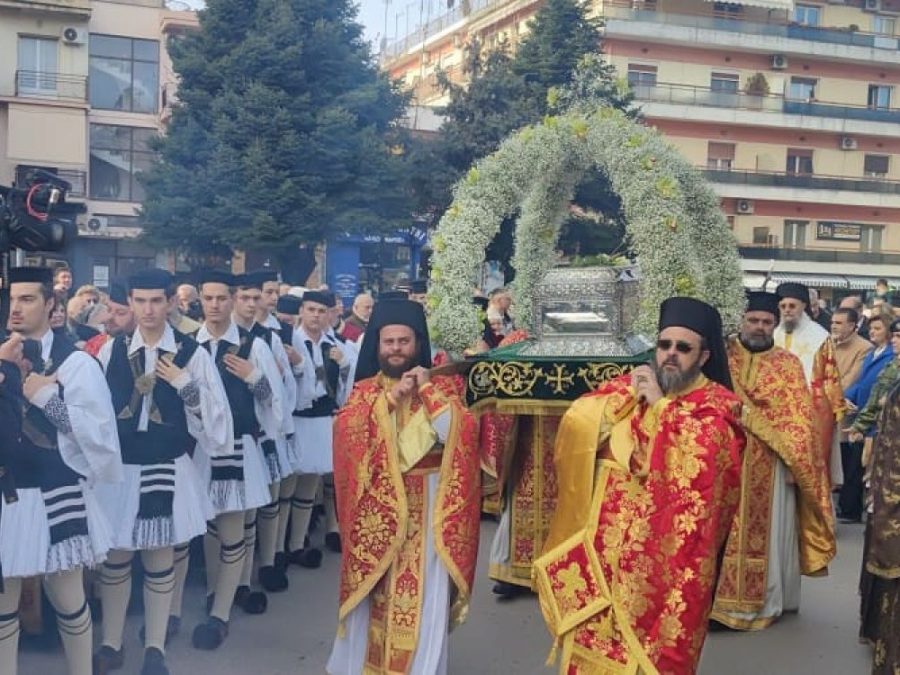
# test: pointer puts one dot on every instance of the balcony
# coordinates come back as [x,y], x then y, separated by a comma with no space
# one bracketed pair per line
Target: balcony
[73,8]
[801,181]
[774,35]
[51,86]
[819,256]
[75,177]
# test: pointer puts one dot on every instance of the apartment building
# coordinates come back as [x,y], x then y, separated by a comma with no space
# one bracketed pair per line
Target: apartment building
[84,85]
[789,108]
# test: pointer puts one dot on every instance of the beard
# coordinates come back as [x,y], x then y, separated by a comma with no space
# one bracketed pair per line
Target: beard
[395,371]
[789,325]
[757,343]
[671,381]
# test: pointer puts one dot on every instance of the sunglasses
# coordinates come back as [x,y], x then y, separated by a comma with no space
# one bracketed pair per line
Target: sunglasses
[680,346]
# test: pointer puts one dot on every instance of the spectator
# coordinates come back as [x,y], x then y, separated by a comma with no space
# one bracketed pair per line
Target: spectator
[189,302]
[883,291]
[819,314]
[500,299]
[89,293]
[356,323]
[58,316]
[850,352]
[855,302]
[62,280]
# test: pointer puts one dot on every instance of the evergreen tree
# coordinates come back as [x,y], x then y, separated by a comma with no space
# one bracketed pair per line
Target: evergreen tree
[284,132]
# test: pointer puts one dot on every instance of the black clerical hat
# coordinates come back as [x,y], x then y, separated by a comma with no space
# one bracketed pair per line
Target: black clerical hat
[393,295]
[760,301]
[792,289]
[706,321]
[392,313]
[418,286]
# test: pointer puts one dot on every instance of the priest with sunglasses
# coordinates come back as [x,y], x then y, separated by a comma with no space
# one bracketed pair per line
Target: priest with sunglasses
[649,480]
[784,526]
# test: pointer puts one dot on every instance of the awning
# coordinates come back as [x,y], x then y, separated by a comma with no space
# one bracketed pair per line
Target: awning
[868,283]
[812,280]
[754,280]
[787,5]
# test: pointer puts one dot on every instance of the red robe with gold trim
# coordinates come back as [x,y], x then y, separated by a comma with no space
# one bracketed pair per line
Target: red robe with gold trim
[379,509]
[627,578]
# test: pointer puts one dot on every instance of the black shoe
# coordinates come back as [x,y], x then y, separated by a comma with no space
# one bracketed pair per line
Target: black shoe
[154,662]
[210,634]
[172,628]
[333,542]
[850,520]
[108,659]
[252,602]
[310,558]
[273,579]
[506,590]
[281,561]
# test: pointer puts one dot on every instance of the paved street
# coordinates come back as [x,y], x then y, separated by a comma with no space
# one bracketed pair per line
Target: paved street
[295,635]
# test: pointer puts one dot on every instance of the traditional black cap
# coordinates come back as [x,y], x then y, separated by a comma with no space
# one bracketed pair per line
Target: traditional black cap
[288,304]
[248,281]
[704,320]
[215,277]
[760,301]
[418,286]
[265,275]
[118,292]
[320,297]
[480,302]
[392,313]
[393,295]
[31,275]
[792,289]
[151,279]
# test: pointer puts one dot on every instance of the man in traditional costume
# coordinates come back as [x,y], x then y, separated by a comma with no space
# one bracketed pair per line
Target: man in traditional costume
[785,523]
[812,344]
[407,479]
[322,379]
[648,468]
[272,518]
[55,526]
[238,481]
[167,396]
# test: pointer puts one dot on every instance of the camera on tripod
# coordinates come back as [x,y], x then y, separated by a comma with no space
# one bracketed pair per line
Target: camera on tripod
[37,217]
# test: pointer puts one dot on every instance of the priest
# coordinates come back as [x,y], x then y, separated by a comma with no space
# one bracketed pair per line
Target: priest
[406,470]
[784,525]
[648,468]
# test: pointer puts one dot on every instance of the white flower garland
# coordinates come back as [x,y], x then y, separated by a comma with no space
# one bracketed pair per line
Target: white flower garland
[673,220]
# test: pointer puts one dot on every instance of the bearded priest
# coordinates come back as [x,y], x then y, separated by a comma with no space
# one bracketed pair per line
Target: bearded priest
[648,468]
[406,472]
[784,525]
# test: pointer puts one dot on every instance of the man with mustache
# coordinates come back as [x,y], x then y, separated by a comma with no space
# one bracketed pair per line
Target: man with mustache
[784,525]
[648,468]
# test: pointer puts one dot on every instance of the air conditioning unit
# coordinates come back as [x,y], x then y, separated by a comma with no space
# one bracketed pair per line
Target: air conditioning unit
[97,225]
[872,5]
[72,35]
[744,206]
[779,62]
[772,240]
[848,143]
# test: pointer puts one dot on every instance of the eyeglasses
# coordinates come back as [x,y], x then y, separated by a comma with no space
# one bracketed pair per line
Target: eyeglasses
[680,346]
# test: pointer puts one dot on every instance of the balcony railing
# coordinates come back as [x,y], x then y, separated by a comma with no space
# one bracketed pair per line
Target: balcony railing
[815,182]
[54,86]
[778,25]
[682,94]
[75,177]
[813,255]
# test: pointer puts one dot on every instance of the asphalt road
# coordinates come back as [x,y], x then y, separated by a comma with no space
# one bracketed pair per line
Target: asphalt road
[295,635]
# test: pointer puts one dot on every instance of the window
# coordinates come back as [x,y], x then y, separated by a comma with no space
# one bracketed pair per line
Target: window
[726,83]
[124,74]
[727,8]
[799,161]
[802,88]
[876,165]
[883,25]
[795,233]
[720,156]
[879,96]
[870,238]
[37,66]
[807,15]
[641,75]
[730,221]
[118,155]
[761,236]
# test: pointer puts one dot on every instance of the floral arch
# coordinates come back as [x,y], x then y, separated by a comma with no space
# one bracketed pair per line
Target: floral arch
[673,220]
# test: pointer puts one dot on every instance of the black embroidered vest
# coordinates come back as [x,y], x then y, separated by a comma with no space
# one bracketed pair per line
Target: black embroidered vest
[240,398]
[167,435]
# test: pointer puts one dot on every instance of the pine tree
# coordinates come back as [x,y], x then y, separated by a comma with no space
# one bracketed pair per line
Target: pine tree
[284,132]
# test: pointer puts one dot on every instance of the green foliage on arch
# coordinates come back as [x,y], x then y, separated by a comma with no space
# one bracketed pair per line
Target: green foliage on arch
[674,223]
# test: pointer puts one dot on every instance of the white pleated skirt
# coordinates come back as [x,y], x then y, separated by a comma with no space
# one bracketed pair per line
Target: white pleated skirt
[288,456]
[191,507]
[231,496]
[312,438]
[25,548]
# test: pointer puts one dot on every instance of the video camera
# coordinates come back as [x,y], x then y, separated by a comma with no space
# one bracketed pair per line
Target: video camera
[33,217]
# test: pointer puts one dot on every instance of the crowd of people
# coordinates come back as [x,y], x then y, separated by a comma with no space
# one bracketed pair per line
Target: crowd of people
[234,408]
